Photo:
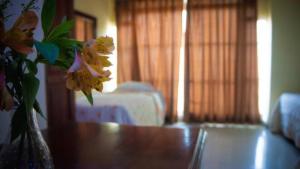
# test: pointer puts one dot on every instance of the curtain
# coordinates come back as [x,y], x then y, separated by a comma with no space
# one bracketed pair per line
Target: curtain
[221,77]
[149,40]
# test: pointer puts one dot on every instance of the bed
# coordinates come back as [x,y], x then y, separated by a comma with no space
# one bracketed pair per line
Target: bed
[132,103]
[285,118]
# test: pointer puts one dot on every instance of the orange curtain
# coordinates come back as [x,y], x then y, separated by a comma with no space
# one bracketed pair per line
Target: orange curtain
[221,61]
[149,40]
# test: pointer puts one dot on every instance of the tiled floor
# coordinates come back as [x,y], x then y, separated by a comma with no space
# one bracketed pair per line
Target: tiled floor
[252,147]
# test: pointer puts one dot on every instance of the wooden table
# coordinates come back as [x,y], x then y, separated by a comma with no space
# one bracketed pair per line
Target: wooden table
[111,146]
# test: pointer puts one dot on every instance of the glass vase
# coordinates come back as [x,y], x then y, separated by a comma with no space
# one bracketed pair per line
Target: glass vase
[28,151]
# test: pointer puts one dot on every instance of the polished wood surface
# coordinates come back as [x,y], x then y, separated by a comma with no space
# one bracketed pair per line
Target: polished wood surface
[248,148]
[111,146]
[240,146]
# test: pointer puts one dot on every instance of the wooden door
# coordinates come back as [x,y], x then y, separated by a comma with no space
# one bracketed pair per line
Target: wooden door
[60,100]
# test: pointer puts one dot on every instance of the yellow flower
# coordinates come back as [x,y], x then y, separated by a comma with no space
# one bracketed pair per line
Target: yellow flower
[87,72]
[104,45]
[93,57]
[20,36]
[83,80]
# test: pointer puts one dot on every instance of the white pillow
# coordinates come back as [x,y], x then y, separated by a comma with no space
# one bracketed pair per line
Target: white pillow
[133,86]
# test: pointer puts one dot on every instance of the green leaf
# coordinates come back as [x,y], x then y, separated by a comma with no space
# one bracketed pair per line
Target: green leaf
[31,66]
[48,50]
[61,30]
[67,42]
[48,14]
[18,123]
[89,97]
[11,72]
[62,64]
[29,90]
[38,109]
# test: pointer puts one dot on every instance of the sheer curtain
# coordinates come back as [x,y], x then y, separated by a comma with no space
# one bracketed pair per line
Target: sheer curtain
[221,61]
[149,39]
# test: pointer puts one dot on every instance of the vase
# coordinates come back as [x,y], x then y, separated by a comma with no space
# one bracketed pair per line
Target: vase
[28,151]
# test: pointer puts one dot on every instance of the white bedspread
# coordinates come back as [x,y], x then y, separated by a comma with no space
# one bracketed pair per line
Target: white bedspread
[134,108]
[286,117]
[119,114]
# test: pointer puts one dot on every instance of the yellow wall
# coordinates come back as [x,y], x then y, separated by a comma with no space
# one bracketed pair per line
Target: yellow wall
[103,10]
[285,76]
[264,10]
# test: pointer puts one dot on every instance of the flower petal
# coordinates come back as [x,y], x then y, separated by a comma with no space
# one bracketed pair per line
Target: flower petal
[99,87]
[20,36]
[21,48]
[104,61]
[93,72]
[106,73]
[76,64]
[105,45]
[72,82]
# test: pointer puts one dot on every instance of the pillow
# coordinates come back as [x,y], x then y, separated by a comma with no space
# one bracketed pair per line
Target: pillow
[132,86]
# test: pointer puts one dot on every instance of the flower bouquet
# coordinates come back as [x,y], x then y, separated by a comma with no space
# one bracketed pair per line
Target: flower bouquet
[85,65]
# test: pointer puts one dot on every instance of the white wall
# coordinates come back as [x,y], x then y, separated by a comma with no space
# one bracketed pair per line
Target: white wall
[5,117]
